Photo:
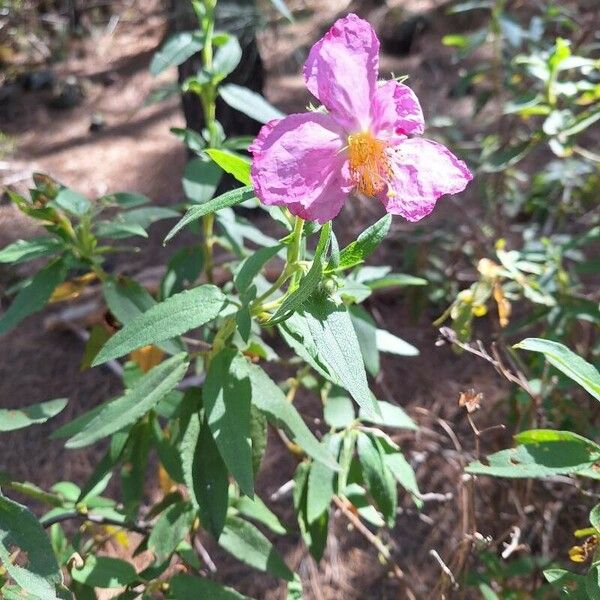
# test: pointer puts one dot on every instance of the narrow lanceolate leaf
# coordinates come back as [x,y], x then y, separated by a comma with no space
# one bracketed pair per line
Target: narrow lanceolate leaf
[127,299]
[321,482]
[388,342]
[309,283]
[187,587]
[104,572]
[391,416]
[137,401]
[205,475]
[252,266]
[224,200]
[20,530]
[172,526]
[379,480]
[34,296]
[226,400]
[357,251]
[543,453]
[250,103]
[167,319]
[232,163]
[200,179]
[244,541]
[176,50]
[269,399]
[24,250]
[17,418]
[572,365]
[338,346]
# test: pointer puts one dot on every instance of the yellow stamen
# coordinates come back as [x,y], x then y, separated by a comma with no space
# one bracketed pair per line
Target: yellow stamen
[369,163]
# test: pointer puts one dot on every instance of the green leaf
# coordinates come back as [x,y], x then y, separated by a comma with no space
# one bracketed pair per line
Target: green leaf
[72,202]
[77,424]
[125,199]
[117,230]
[592,583]
[257,510]
[506,157]
[17,418]
[169,530]
[268,398]
[24,250]
[314,534]
[394,280]
[595,517]
[36,570]
[392,344]
[250,103]
[224,200]
[246,543]
[136,402]
[377,476]
[391,416]
[259,436]
[147,215]
[366,334]
[321,482]
[356,252]
[227,58]
[232,163]
[102,472]
[337,344]
[297,335]
[250,267]
[205,475]
[127,299]
[183,270]
[556,453]
[167,319]
[404,474]
[187,587]
[200,180]
[105,572]
[357,495]
[339,410]
[309,283]
[33,296]
[134,468]
[572,365]
[227,405]
[176,50]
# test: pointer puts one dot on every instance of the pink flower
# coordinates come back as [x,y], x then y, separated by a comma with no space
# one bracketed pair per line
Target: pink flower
[311,162]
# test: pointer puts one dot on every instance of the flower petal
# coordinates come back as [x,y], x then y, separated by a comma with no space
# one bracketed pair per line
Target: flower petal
[422,172]
[341,71]
[395,111]
[298,163]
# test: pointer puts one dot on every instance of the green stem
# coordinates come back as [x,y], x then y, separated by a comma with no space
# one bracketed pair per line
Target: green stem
[291,269]
[208,100]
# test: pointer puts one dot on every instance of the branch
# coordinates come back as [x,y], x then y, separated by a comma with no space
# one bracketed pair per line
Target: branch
[138,527]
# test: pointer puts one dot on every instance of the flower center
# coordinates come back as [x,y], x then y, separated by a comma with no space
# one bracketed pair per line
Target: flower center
[369,163]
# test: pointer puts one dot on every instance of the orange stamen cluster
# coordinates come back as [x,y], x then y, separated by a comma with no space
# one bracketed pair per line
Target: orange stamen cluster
[369,163]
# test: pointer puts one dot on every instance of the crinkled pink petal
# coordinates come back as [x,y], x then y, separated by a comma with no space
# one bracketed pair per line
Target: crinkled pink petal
[341,71]
[396,112]
[298,163]
[422,171]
